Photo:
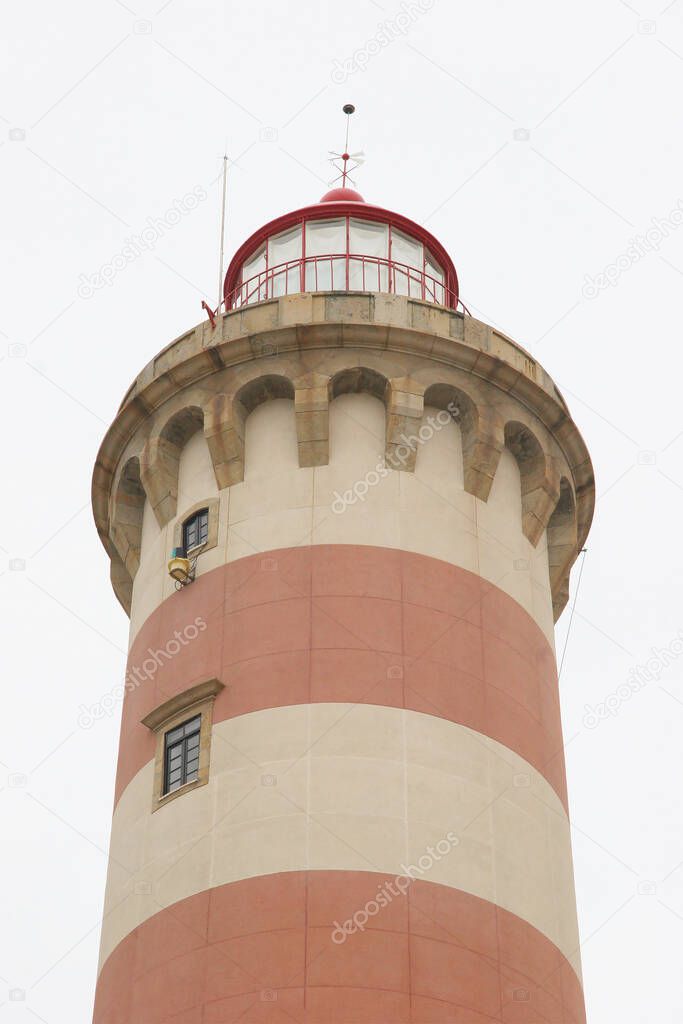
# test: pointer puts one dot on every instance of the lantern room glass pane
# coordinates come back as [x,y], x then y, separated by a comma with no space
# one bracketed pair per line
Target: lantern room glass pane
[326,238]
[434,286]
[253,287]
[407,278]
[371,240]
[283,249]
[368,238]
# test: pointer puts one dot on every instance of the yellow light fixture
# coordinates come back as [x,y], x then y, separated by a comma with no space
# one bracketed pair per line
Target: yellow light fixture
[180,568]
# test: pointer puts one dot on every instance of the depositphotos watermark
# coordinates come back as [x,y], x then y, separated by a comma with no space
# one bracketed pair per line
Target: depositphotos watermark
[136,245]
[136,676]
[638,248]
[387,32]
[638,678]
[399,457]
[390,890]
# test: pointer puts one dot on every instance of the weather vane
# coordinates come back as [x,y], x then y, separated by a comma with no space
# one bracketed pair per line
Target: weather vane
[355,158]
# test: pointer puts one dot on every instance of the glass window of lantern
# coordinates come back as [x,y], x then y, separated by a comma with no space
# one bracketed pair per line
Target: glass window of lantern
[253,287]
[370,239]
[283,249]
[434,289]
[326,238]
[406,251]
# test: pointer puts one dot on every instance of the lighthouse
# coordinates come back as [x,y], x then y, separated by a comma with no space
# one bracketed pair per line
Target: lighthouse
[341,513]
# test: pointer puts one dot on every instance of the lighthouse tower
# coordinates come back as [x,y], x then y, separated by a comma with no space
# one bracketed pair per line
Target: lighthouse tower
[341,513]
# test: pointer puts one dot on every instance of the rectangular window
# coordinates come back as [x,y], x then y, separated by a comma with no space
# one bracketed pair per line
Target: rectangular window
[196,530]
[181,755]
[182,736]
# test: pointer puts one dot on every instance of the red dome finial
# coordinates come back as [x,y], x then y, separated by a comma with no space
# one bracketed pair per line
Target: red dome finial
[342,195]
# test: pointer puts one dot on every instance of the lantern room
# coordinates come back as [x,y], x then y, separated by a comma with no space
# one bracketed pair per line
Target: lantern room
[342,244]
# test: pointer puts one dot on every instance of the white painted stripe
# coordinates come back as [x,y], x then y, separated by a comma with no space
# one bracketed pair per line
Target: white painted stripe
[348,787]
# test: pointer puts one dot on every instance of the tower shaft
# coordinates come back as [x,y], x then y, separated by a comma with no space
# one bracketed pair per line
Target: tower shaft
[374,825]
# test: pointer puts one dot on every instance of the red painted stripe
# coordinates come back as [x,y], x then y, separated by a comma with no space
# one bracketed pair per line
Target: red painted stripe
[348,623]
[262,950]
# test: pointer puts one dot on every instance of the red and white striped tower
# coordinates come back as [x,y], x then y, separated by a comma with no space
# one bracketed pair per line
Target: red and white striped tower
[341,789]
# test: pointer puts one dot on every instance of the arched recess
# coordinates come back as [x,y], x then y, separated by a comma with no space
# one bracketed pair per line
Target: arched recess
[539,479]
[482,435]
[160,460]
[250,396]
[355,380]
[126,521]
[562,541]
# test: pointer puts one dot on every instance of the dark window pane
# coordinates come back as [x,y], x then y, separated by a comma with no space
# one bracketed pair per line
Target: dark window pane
[196,529]
[182,754]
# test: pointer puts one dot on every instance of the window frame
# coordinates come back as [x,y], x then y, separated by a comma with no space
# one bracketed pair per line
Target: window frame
[200,519]
[184,747]
[212,507]
[197,702]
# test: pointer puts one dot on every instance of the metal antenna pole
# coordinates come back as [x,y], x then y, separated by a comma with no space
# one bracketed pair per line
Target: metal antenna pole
[348,109]
[345,157]
[220,259]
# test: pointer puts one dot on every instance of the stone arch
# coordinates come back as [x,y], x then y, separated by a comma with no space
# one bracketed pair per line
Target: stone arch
[129,504]
[562,543]
[263,389]
[482,435]
[357,380]
[539,479]
[160,460]
[182,425]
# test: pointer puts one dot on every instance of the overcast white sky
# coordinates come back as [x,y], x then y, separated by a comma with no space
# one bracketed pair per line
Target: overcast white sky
[536,140]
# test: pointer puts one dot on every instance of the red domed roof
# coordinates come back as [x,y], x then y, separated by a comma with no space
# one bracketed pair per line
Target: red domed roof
[342,195]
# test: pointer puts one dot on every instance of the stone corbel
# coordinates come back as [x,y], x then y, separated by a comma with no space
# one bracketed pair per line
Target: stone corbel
[405,408]
[224,431]
[312,413]
[483,440]
[540,495]
[159,464]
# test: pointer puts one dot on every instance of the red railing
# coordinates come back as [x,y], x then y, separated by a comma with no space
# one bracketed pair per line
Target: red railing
[342,272]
